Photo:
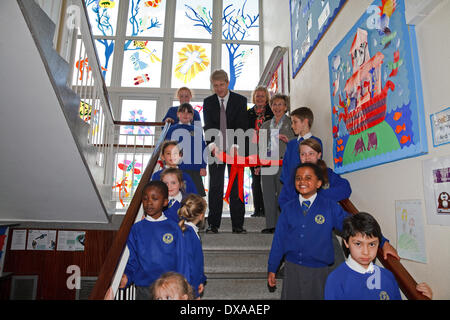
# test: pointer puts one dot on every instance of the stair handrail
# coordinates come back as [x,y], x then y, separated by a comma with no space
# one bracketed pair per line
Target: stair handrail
[272,64]
[115,253]
[404,279]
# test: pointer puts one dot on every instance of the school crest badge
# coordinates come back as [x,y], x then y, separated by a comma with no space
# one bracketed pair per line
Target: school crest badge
[167,238]
[320,219]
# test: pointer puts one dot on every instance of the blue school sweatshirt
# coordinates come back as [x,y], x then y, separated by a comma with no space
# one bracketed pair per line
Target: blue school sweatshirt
[338,189]
[307,239]
[193,157]
[172,113]
[195,259]
[291,158]
[345,283]
[155,247]
[190,185]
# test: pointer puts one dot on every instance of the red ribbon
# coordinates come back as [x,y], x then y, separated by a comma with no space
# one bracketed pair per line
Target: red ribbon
[238,163]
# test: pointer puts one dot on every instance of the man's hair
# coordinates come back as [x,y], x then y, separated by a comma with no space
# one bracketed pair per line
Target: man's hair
[186,107]
[161,186]
[219,75]
[363,223]
[304,113]
[283,97]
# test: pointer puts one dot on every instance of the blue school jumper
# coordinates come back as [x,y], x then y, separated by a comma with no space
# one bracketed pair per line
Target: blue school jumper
[307,239]
[155,247]
[195,258]
[291,158]
[172,113]
[337,189]
[174,205]
[345,283]
[190,186]
[193,157]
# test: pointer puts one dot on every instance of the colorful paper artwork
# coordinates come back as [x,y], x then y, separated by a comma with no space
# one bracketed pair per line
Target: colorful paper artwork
[192,60]
[375,90]
[309,21]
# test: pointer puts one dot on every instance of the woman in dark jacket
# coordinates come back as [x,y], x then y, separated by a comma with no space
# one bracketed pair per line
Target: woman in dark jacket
[257,115]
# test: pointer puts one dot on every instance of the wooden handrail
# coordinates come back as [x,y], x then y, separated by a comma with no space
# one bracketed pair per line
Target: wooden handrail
[115,252]
[405,281]
[141,124]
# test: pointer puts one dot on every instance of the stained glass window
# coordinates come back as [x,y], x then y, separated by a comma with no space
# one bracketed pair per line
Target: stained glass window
[138,111]
[191,65]
[82,70]
[194,19]
[240,20]
[243,63]
[146,18]
[142,64]
[103,16]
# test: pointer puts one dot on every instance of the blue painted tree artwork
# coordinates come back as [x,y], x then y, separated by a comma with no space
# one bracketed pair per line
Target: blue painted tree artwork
[376,91]
[236,25]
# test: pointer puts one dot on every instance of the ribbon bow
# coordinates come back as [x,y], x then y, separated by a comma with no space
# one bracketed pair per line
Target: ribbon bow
[238,163]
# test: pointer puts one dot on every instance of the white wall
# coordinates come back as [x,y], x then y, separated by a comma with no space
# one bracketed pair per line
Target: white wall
[376,189]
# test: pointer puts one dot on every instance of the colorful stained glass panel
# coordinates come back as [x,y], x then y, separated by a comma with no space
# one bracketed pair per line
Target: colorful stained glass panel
[242,64]
[142,64]
[193,19]
[103,16]
[240,20]
[191,65]
[146,18]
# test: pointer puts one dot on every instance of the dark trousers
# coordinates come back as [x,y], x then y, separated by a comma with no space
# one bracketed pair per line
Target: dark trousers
[215,198]
[258,202]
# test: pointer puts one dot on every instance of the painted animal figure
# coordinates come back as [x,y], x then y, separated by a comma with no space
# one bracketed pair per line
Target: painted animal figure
[359,146]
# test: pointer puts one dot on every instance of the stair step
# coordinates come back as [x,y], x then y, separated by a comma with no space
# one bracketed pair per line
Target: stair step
[251,224]
[251,264]
[240,289]
[225,241]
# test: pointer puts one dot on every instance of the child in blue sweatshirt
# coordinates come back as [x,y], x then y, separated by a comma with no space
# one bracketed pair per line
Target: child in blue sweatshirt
[335,187]
[156,244]
[171,155]
[359,278]
[301,122]
[303,236]
[173,178]
[190,139]
[192,216]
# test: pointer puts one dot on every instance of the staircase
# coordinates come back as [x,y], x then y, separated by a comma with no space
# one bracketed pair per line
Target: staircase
[236,264]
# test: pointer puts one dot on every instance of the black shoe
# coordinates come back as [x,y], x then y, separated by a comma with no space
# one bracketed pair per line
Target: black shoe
[239,230]
[212,229]
[268,230]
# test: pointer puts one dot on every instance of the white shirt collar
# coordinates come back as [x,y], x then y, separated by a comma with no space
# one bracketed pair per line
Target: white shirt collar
[178,197]
[193,227]
[355,266]
[225,99]
[161,218]
[311,199]
[306,136]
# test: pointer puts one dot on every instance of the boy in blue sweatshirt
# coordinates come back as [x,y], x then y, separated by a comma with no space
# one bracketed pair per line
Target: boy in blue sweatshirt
[193,145]
[359,278]
[301,122]
[303,236]
[156,244]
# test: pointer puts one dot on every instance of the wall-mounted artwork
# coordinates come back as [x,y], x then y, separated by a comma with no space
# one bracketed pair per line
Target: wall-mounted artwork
[376,92]
[310,19]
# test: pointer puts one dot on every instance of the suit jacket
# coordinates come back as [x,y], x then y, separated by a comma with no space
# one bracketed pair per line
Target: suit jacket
[236,111]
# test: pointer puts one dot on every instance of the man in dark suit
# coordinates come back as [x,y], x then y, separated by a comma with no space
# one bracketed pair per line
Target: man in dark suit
[224,110]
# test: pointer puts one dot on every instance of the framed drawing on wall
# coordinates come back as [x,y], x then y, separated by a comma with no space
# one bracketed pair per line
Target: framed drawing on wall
[309,21]
[376,91]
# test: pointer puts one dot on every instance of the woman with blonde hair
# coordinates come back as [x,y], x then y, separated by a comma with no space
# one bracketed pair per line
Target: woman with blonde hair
[259,113]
